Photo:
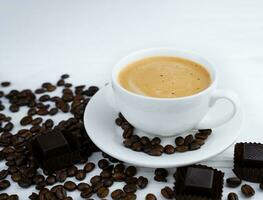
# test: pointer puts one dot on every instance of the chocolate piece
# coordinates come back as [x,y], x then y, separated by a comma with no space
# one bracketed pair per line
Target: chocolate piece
[54,151]
[198,182]
[248,161]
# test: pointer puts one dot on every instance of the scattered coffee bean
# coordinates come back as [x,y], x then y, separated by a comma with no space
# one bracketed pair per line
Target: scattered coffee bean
[4,184]
[65,76]
[61,193]
[103,192]
[155,141]
[142,182]
[117,194]
[89,167]
[3,174]
[233,182]
[131,171]
[150,196]
[130,188]
[179,141]
[103,163]
[80,175]
[86,193]
[167,193]
[70,186]
[232,196]
[169,149]
[188,139]
[194,146]
[247,190]
[182,148]
[83,186]
[5,84]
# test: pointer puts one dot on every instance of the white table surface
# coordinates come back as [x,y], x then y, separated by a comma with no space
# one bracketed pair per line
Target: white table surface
[40,40]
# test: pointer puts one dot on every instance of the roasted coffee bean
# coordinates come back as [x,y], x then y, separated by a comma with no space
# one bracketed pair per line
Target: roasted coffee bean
[130,196]
[233,182]
[55,188]
[155,152]
[5,83]
[159,178]
[167,192]
[40,91]
[31,112]
[95,179]
[72,171]
[80,175]
[53,111]
[131,171]
[16,177]
[103,163]
[91,91]
[65,76]
[83,186]
[247,190]
[49,123]
[38,178]
[188,139]
[130,188]
[33,196]
[117,194]
[142,182]
[89,167]
[70,186]
[118,176]
[86,193]
[194,146]
[25,183]
[3,174]
[169,149]
[182,148]
[13,197]
[103,192]
[61,82]
[107,182]
[127,143]
[14,108]
[150,196]
[145,140]
[131,180]
[106,174]
[4,184]
[199,141]
[161,172]
[179,141]
[61,193]
[61,176]
[232,196]
[119,168]
[155,141]
[201,136]
[36,121]
[44,98]
[50,180]
[127,133]
[51,88]
[136,146]
[42,111]
[40,185]
[118,121]
[4,196]
[8,127]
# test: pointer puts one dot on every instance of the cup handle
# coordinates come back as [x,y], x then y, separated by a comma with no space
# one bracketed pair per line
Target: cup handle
[215,122]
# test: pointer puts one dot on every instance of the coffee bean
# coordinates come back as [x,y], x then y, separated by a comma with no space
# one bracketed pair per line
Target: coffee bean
[36,121]
[70,186]
[53,111]
[40,90]
[150,196]
[118,121]
[188,139]
[4,196]
[169,149]
[5,83]
[49,123]
[13,197]
[86,193]
[142,182]
[33,196]
[61,193]
[194,146]
[155,151]
[106,174]
[233,182]
[201,136]
[61,176]
[128,188]
[72,171]
[205,131]
[107,182]
[16,177]
[103,192]
[155,141]
[14,108]
[247,190]
[44,98]
[127,143]
[89,167]
[131,171]
[51,88]
[161,172]
[179,141]
[199,141]
[25,183]
[232,196]
[83,186]
[26,120]
[129,196]
[119,168]
[8,127]
[103,163]
[80,175]
[4,184]
[95,179]
[117,194]
[145,140]
[61,82]
[3,174]
[131,180]
[182,148]
[38,178]
[167,192]
[118,176]
[65,76]
[159,178]
[127,133]
[136,146]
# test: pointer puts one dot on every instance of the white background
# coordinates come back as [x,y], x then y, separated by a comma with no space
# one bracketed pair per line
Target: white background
[39,40]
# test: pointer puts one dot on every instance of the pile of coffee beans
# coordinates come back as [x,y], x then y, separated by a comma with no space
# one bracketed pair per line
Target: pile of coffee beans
[153,147]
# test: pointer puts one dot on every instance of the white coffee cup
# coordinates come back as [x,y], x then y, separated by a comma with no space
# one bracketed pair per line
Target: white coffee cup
[171,116]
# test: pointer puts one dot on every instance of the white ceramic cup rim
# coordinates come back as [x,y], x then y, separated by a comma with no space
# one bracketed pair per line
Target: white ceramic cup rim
[163,52]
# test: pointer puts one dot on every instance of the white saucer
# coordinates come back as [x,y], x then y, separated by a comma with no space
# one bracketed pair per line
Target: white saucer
[99,120]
